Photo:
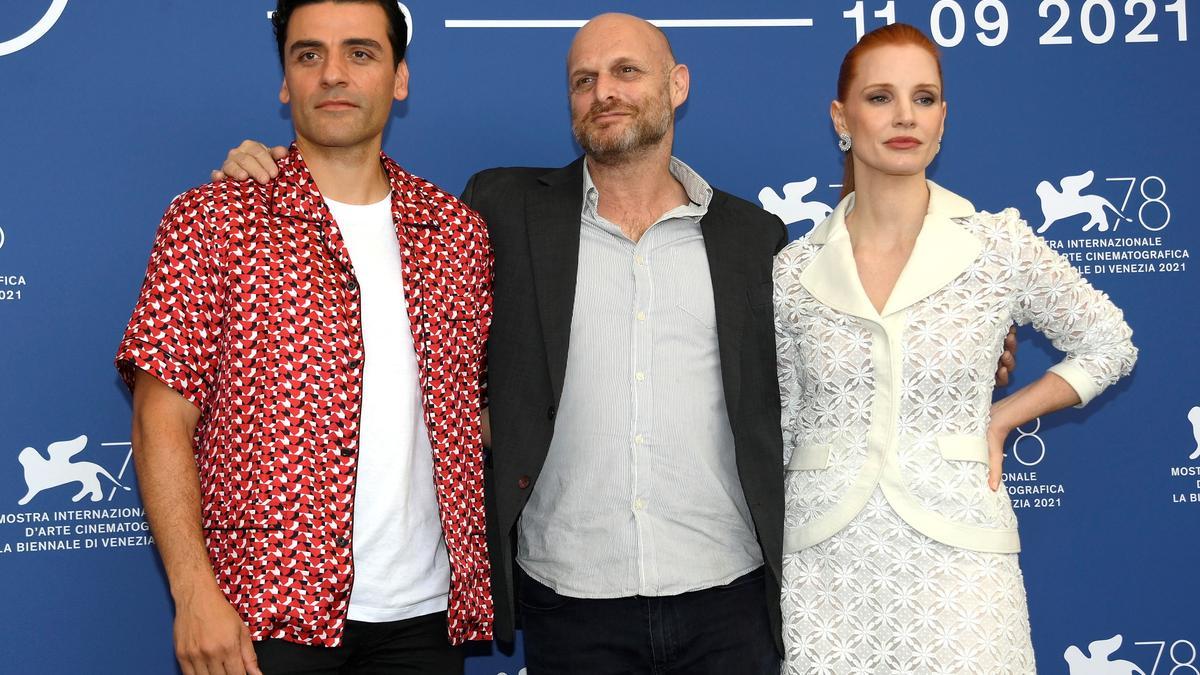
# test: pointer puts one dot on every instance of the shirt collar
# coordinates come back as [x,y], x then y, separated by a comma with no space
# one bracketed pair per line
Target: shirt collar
[943,205]
[699,192]
[942,251]
[294,193]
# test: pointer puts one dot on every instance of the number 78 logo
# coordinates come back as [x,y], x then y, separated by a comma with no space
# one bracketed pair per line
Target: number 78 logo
[1069,200]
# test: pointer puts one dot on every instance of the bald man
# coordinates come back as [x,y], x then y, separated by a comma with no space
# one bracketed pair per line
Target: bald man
[634,482]
[635,468]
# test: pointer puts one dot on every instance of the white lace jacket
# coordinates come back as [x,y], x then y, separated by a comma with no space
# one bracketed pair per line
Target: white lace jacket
[901,399]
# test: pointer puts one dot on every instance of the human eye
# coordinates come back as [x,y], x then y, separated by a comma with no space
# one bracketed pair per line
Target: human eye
[307,56]
[583,82]
[926,99]
[628,71]
[878,97]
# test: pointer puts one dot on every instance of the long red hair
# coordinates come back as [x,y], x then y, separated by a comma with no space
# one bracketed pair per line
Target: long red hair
[892,35]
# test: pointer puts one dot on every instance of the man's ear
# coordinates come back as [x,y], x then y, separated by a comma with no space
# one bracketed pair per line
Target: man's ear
[285,97]
[400,91]
[681,82]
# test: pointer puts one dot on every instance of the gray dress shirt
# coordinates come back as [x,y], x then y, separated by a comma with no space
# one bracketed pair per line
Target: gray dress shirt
[640,494]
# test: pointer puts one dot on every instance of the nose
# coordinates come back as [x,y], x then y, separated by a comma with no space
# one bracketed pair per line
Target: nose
[605,88]
[333,73]
[905,116]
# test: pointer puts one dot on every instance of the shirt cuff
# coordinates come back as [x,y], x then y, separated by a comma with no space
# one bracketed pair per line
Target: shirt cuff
[134,354]
[1078,378]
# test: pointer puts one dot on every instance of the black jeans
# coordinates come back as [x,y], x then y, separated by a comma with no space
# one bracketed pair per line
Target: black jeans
[416,646]
[719,630]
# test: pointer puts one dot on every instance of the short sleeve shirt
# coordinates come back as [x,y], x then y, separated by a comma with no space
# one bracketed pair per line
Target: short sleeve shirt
[250,310]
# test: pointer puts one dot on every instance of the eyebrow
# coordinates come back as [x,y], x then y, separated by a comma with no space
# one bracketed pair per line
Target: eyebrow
[615,63]
[362,42]
[926,85]
[300,45]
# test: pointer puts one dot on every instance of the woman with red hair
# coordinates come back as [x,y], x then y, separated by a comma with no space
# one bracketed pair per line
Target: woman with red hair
[901,545]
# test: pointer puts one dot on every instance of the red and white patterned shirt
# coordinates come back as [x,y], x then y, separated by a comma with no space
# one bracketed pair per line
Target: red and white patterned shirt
[250,310]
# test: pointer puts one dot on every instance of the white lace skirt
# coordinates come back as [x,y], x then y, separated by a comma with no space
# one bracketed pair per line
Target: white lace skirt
[880,597]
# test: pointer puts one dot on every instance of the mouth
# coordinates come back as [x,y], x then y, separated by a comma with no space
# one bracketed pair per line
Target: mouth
[603,116]
[902,143]
[336,104]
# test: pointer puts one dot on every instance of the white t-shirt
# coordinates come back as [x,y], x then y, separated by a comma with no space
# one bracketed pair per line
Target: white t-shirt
[400,565]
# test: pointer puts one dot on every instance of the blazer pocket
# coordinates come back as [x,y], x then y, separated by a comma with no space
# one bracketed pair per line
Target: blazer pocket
[809,458]
[963,448]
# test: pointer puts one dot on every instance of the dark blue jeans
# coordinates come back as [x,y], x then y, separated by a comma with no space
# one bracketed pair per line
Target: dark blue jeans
[721,630]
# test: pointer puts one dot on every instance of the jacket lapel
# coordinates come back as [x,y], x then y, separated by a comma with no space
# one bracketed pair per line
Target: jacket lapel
[554,209]
[942,251]
[832,276]
[725,264]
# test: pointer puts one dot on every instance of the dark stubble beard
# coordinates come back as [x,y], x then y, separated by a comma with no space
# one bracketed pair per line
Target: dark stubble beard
[650,126]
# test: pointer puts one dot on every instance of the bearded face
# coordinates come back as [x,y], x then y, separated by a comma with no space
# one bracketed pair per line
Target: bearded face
[612,130]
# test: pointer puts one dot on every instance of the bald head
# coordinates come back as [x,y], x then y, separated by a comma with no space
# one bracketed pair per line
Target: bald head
[624,87]
[612,33]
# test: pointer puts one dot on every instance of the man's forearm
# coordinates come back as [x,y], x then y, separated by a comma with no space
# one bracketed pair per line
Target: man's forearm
[163,424]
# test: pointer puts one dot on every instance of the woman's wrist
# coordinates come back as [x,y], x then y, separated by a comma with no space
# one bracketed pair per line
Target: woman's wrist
[1001,425]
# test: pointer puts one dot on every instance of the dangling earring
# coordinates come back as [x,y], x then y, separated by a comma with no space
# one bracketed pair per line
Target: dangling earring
[939,145]
[844,142]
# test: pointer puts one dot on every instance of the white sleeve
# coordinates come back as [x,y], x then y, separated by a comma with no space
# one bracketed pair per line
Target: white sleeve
[786,282]
[1077,318]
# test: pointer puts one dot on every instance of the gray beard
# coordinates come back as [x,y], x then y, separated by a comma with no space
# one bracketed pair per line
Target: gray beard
[645,133]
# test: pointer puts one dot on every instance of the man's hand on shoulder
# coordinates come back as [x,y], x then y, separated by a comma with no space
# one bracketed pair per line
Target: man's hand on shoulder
[251,159]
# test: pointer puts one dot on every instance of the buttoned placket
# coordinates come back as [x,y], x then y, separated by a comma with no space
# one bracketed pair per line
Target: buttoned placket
[420,298]
[350,300]
[641,386]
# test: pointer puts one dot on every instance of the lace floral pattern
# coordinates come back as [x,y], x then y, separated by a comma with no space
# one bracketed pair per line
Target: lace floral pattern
[951,342]
[879,595]
[880,598]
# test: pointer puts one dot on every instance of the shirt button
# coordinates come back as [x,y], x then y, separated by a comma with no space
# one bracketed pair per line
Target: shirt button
[348,452]
[551,413]
[352,285]
[639,260]
[353,364]
[341,542]
[641,377]
[639,439]
[639,504]
[641,316]
[523,482]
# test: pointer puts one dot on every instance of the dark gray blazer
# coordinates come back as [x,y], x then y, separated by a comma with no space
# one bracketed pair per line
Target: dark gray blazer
[533,220]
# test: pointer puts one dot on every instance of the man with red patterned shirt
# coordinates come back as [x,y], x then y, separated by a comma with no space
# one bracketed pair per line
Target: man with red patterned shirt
[304,357]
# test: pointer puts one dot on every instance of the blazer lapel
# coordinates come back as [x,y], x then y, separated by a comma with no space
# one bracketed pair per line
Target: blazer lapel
[832,276]
[554,209]
[942,251]
[725,264]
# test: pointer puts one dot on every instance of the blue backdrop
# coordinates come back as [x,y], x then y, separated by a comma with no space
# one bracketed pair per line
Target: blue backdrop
[1081,113]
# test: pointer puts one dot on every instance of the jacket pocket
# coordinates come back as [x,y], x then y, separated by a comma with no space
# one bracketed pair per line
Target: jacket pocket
[963,448]
[810,457]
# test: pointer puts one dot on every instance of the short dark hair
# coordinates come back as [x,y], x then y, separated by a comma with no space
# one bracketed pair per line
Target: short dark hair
[397,26]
